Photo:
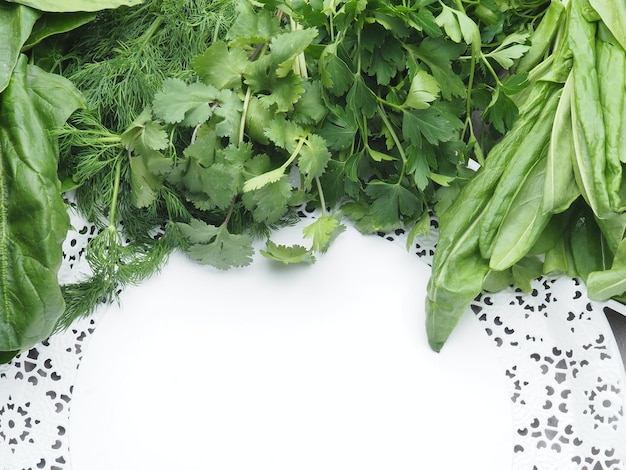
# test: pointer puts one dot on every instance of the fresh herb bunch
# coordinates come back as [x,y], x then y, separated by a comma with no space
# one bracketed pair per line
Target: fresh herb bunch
[363,109]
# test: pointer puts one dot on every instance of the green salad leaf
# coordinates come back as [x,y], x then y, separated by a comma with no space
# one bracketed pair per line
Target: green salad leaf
[75,5]
[34,219]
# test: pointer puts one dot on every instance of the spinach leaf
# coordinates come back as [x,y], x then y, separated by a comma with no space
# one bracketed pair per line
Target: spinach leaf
[33,215]
[75,5]
[16,24]
[50,24]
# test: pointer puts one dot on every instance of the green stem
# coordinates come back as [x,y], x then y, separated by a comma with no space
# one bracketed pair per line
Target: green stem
[295,153]
[321,193]
[389,104]
[490,68]
[468,99]
[244,114]
[114,139]
[116,191]
[150,32]
[231,209]
[396,140]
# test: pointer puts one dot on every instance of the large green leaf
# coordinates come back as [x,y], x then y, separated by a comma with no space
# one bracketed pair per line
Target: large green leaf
[16,24]
[75,5]
[33,216]
[56,23]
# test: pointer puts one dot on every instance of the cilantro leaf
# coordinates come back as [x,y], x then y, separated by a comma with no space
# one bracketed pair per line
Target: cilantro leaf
[323,231]
[144,184]
[313,158]
[144,132]
[253,26]
[270,202]
[310,108]
[287,254]
[178,102]
[284,133]
[285,47]
[258,181]
[221,66]
[215,246]
[284,92]
[204,175]
[143,139]
[229,109]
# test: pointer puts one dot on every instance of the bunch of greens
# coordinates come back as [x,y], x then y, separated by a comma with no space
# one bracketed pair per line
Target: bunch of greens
[550,197]
[33,215]
[363,109]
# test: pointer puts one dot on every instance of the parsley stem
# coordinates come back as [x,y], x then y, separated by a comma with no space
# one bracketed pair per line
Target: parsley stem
[491,69]
[395,138]
[468,100]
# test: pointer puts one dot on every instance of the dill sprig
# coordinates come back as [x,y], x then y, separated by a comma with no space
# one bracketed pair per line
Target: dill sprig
[133,263]
[120,60]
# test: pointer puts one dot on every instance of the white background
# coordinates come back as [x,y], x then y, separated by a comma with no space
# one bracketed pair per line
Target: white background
[323,367]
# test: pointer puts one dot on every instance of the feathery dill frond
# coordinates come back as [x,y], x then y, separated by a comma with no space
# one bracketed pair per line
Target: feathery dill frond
[120,60]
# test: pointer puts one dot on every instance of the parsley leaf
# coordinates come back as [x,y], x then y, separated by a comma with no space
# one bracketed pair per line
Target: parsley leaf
[432,123]
[391,202]
[424,90]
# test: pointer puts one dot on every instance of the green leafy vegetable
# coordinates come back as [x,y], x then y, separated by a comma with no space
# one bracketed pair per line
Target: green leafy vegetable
[210,124]
[215,246]
[288,254]
[75,5]
[34,219]
[16,24]
[551,202]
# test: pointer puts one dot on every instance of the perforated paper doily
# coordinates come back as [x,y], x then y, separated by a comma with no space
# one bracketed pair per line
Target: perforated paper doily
[558,353]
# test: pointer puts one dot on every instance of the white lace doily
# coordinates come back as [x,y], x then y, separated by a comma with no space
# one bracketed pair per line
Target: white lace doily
[556,348]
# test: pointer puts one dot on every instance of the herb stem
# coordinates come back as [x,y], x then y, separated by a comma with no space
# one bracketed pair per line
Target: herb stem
[396,140]
[150,32]
[321,194]
[244,114]
[116,191]
[468,99]
[229,214]
[490,68]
